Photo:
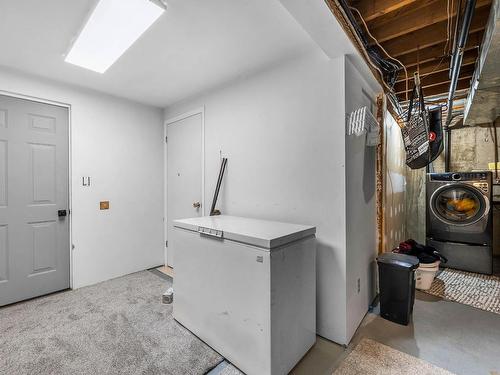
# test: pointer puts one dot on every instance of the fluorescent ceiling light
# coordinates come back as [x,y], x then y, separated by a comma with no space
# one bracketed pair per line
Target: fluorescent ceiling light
[112,28]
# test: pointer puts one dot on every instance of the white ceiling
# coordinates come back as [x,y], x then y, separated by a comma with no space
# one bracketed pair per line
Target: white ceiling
[195,46]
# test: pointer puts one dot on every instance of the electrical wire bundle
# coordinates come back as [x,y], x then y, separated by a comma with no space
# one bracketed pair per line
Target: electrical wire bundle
[388,66]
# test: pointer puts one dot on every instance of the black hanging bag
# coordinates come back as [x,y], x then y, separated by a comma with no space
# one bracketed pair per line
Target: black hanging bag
[416,131]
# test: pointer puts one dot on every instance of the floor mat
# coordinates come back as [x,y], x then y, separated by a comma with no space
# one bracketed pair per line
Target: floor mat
[115,327]
[473,289]
[372,358]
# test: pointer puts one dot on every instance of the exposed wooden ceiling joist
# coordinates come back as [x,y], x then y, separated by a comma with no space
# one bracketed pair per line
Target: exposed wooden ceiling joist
[460,95]
[431,67]
[389,17]
[435,79]
[419,34]
[430,35]
[417,19]
[436,52]
[377,8]
[441,88]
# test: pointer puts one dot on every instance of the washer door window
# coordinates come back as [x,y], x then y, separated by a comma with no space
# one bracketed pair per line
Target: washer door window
[458,204]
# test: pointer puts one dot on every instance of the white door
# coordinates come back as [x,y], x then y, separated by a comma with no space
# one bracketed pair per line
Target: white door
[34,199]
[184,173]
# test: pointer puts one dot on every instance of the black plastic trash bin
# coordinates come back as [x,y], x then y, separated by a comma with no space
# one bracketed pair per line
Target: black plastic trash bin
[397,286]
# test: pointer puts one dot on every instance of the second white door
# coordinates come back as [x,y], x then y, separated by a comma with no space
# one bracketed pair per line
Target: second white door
[184,173]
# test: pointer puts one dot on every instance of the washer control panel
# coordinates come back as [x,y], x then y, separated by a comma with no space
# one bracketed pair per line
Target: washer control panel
[460,176]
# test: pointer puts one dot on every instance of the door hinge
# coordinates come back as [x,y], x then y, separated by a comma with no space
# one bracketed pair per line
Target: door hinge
[166,243]
[166,139]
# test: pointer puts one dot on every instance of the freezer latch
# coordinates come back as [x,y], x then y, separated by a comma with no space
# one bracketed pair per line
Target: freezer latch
[210,232]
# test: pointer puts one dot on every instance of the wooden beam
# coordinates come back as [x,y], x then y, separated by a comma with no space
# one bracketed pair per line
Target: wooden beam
[466,78]
[434,79]
[436,66]
[442,88]
[372,9]
[439,82]
[417,19]
[459,95]
[458,107]
[380,175]
[430,35]
[389,17]
[435,52]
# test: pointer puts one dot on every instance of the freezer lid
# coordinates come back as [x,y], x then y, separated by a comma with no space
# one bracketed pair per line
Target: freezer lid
[262,233]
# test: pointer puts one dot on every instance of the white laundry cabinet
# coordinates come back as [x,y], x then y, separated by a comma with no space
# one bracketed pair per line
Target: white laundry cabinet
[247,288]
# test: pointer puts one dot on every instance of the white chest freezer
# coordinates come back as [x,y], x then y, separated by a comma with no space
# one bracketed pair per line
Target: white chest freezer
[247,288]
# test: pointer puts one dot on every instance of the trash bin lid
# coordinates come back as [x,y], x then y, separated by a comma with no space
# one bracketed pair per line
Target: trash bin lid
[398,260]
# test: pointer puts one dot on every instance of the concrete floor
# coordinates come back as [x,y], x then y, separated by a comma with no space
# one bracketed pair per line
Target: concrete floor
[456,337]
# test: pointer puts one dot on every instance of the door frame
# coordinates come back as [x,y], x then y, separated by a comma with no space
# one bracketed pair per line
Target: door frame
[169,121]
[70,172]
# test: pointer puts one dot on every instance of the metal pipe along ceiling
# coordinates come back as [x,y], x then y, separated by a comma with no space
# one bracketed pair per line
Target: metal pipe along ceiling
[456,61]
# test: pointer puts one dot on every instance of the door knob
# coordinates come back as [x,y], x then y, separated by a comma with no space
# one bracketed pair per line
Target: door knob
[61,213]
[196,204]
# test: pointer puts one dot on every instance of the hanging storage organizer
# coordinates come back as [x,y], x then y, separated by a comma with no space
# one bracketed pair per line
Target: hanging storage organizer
[422,133]
[361,122]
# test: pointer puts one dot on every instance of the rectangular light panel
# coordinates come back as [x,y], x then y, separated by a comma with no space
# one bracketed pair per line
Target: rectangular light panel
[112,28]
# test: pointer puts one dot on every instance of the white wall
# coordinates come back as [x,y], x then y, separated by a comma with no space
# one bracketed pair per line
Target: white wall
[361,248]
[283,132]
[120,145]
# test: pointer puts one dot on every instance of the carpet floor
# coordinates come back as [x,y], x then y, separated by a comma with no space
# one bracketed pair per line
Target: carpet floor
[473,289]
[372,358]
[115,327]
